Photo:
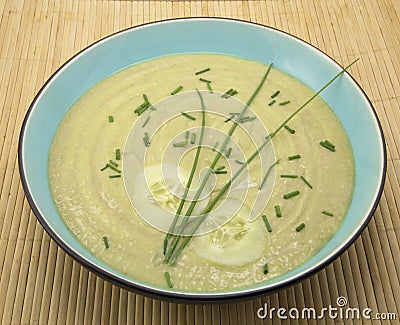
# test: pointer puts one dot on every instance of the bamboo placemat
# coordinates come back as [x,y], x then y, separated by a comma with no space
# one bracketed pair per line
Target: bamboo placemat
[40,284]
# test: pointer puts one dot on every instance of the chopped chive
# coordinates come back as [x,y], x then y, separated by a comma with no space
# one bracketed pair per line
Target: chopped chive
[247,119]
[291,194]
[267,225]
[217,172]
[226,94]
[327,213]
[180,144]
[220,168]
[146,139]
[112,162]
[229,93]
[278,211]
[202,71]
[289,176]
[232,115]
[176,90]
[209,87]
[289,129]
[115,176]
[276,93]
[272,102]
[327,145]
[190,117]
[268,172]
[306,182]
[118,154]
[205,80]
[215,146]
[193,138]
[168,279]
[111,119]
[187,135]
[104,168]
[145,98]
[144,106]
[265,268]
[294,157]
[228,154]
[105,240]
[284,103]
[300,227]
[239,162]
[146,121]
[114,168]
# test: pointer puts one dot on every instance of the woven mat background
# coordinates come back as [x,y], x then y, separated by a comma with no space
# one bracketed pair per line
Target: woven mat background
[40,284]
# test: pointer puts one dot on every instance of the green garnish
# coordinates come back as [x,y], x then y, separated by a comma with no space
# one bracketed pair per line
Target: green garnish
[168,279]
[180,144]
[291,194]
[289,129]
[205,80]
[228,154]
[167,254]
[327,213]
[105,240]
[112,162]
[278,211]
[220,168]
[306,182]
[284,103]
[272,102]
[104,168]
[267,225]
[117,154]
[215,146]
[289,176]
[146,121]
[294,157]
[176,90]
[217,172]
[111,119]
[276,93]
[239,162]
[229,93]
[327,145]
[193,138]
[114,176]
[187,135]
[268,172]
[144,106]
[146,139]
[202,71]
[300,227]
[114,168]
[247,119]
[190,117]
[173,251]
[265,268]
[209,87]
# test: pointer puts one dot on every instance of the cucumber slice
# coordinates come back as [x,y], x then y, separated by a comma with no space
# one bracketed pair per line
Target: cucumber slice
[235,244]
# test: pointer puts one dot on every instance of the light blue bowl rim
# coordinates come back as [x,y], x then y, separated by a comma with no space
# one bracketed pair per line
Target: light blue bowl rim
[181,296]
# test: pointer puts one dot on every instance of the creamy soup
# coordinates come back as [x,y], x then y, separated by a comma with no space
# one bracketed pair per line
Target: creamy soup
[312,171]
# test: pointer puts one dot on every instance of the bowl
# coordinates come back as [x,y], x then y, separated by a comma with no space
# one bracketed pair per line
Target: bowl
[193,35]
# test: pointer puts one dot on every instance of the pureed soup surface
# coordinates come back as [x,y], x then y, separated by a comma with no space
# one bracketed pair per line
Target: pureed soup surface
[96,207]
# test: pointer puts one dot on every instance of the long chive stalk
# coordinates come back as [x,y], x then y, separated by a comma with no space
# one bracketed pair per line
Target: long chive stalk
[174,250]
[213,164]
[189,183]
